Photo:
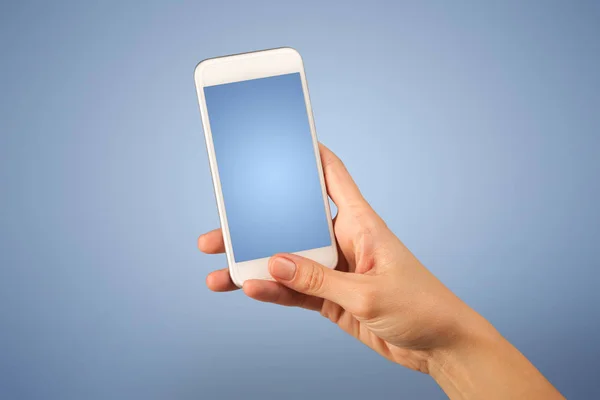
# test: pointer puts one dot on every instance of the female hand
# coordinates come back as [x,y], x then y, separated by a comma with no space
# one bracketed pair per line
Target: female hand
[382,295]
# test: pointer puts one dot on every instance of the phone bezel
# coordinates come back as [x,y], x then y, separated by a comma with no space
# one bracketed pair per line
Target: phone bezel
[241,67]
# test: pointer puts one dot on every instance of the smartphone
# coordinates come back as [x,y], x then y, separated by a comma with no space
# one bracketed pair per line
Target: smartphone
[264,160]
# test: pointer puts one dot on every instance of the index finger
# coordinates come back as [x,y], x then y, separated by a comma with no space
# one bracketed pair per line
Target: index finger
[341,187]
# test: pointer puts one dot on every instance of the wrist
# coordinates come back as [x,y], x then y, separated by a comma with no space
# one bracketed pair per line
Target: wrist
[480,363]
[450,365]
[473,334]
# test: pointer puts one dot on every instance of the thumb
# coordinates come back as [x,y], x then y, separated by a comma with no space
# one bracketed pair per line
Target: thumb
[311,278]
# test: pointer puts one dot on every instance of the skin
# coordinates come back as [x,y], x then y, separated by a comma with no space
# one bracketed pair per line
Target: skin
[383,296]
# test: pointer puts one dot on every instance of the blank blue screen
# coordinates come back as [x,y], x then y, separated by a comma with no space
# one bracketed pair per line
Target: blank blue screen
[267,166]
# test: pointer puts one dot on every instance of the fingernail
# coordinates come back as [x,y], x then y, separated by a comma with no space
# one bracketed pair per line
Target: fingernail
[283,268]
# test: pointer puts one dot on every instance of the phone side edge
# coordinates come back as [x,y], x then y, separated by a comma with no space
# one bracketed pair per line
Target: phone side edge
[317,152]
[214,173]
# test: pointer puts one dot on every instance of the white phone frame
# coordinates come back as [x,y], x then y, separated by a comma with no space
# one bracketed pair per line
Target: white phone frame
[241,67]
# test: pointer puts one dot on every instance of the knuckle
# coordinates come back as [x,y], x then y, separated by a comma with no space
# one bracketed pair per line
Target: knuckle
[312,281]
[367,305]
[368,220]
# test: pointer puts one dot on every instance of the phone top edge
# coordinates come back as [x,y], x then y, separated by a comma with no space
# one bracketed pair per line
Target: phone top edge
[240,56]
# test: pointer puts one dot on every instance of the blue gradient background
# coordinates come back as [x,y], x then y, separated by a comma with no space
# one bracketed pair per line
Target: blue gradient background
[267,167]
[472,127]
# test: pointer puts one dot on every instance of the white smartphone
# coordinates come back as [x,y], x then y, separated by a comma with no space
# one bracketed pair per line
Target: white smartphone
[264,159]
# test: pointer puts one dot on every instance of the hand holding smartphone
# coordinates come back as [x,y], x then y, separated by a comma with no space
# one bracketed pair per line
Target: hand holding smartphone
[264,160]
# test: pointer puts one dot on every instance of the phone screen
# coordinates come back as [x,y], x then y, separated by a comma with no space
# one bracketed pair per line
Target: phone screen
[267,166]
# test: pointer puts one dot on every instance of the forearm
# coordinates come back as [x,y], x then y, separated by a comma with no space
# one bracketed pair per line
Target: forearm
[484,365]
